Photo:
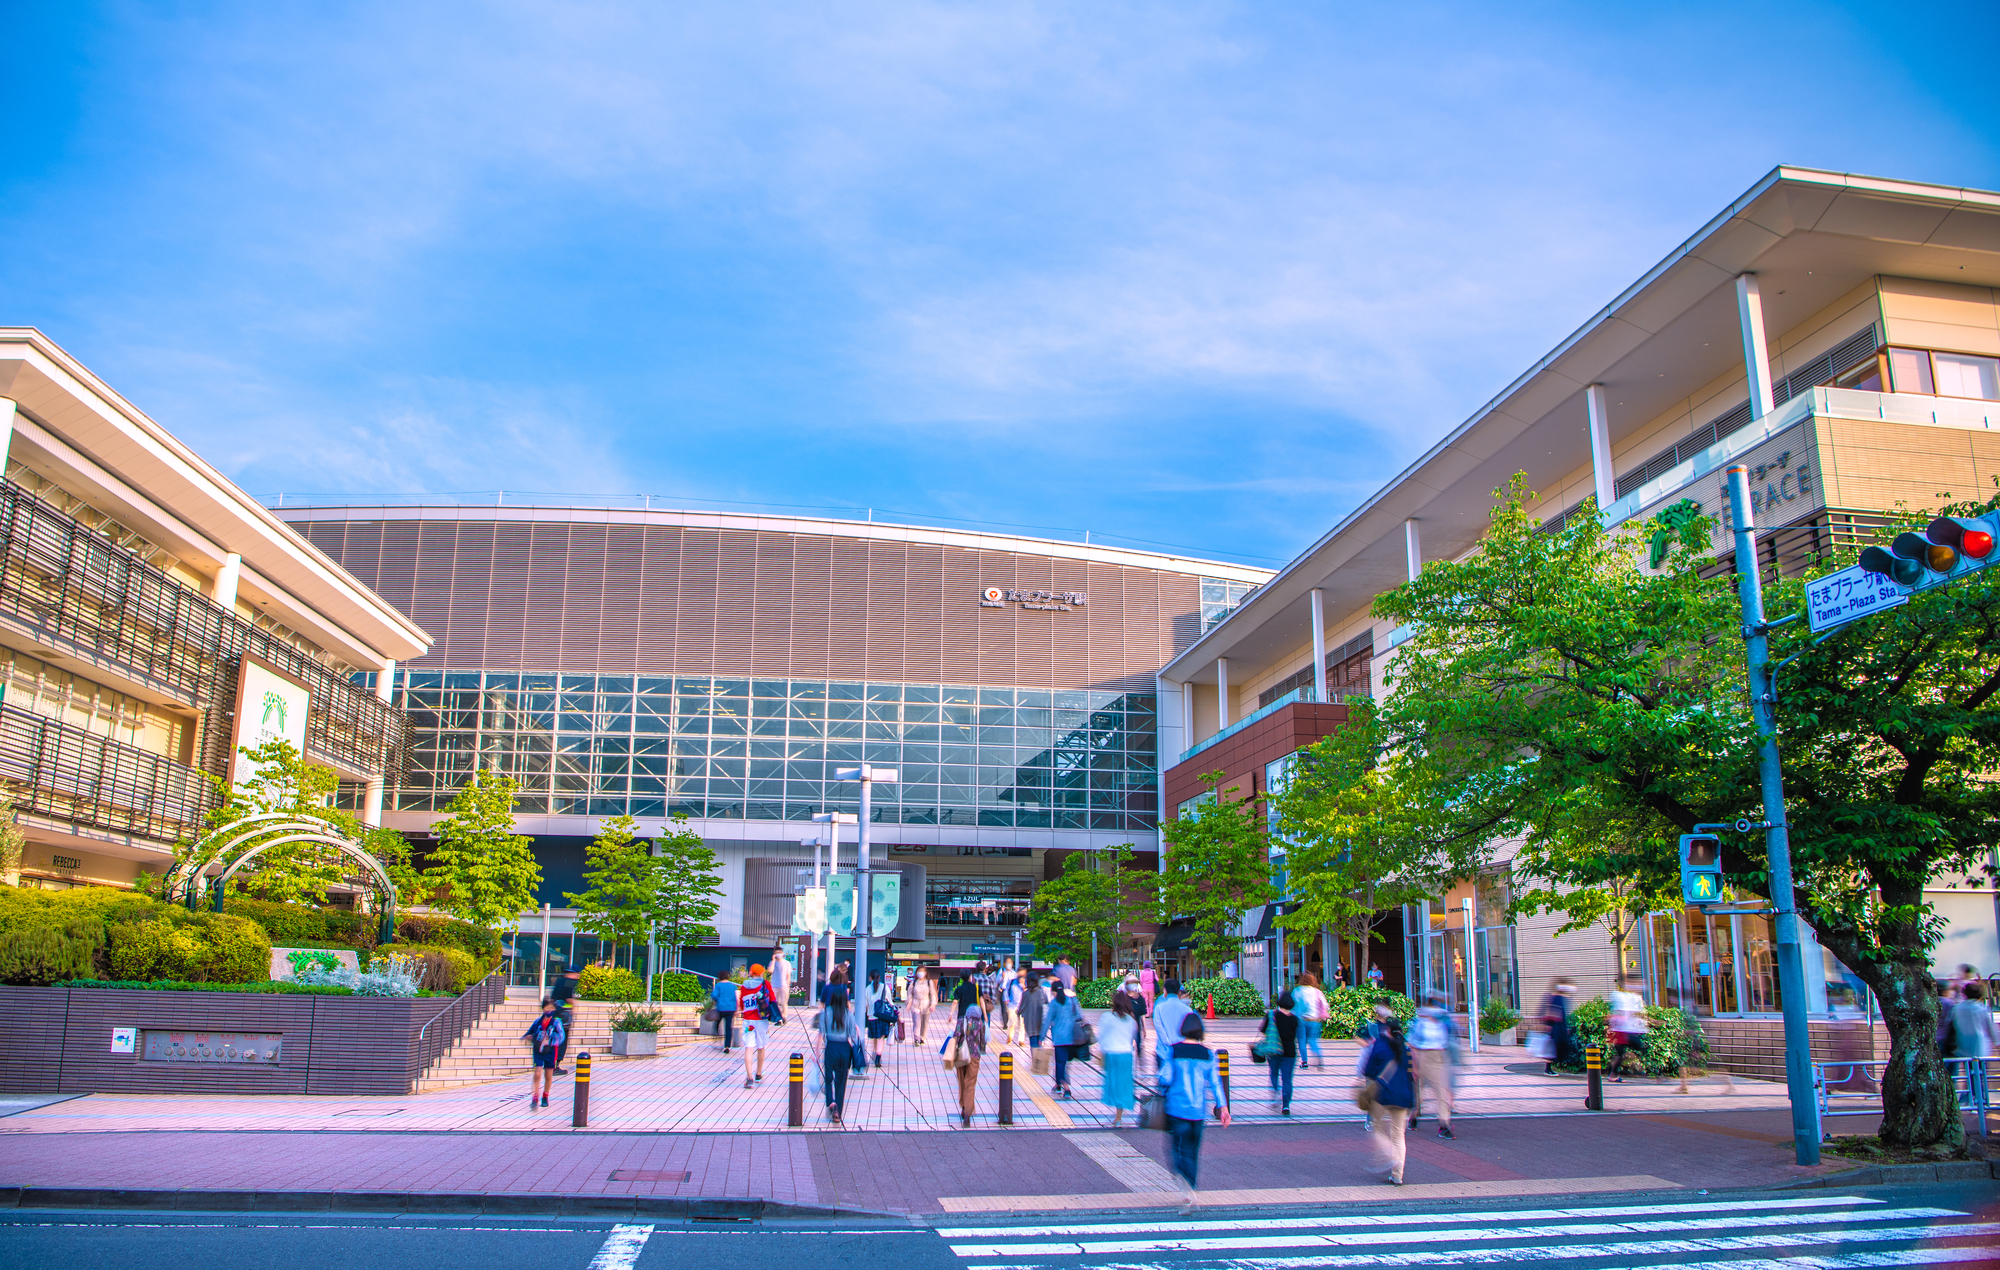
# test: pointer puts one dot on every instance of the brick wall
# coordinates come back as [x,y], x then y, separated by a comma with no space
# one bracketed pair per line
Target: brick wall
[1243,756]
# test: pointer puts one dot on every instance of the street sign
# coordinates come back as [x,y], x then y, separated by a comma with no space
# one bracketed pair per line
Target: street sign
[885,902]
[809,912]
[1854,592]
[840,903]
[1002,950]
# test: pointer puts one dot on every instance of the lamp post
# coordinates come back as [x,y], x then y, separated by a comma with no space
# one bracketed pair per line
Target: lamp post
[867,777]
[833,820]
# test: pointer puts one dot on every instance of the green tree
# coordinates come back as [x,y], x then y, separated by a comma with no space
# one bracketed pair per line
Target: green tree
[480,869]
[624,884]
[1556,678]
[1092,895]
[689,891]
[1216,864]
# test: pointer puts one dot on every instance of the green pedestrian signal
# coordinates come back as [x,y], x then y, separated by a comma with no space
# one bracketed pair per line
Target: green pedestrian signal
[1701,868]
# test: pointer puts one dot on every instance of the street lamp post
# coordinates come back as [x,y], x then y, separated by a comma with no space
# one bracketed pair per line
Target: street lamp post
[867,777]
[833,820]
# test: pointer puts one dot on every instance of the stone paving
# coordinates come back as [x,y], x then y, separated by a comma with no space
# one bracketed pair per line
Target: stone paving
[694,1087]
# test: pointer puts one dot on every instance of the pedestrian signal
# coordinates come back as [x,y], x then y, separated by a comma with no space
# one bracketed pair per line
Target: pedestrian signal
[1701,868]
[1949,547]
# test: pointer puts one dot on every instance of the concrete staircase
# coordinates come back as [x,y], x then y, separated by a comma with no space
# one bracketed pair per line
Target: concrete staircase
[496,1050]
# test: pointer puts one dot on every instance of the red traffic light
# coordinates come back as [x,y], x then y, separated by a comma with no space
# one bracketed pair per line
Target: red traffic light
[1968,539]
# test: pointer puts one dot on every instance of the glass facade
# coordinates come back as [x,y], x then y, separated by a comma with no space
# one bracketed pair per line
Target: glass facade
[1218,597]
[766,749]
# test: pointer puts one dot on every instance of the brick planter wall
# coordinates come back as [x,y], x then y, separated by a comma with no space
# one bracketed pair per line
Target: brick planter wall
[1756,1047]
[332,1044]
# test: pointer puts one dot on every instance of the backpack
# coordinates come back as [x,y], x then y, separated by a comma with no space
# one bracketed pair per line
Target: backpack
[884,1012]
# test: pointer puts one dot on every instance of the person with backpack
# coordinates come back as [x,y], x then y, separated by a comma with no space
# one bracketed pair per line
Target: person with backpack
[1192,1084]
[753,1002]
[1434,1038]
[724,995]
[1063,1017]
[1386,1090]
[881,1015]
[840,1027]
[1280,1050]
[547,1034]
[1167,1016]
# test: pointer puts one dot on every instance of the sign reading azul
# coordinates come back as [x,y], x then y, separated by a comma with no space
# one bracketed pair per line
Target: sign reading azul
[994,597]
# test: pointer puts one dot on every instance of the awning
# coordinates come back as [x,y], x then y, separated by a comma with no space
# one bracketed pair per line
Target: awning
[1173,938]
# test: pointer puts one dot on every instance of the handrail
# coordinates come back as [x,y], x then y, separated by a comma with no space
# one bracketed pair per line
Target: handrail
[455,1003]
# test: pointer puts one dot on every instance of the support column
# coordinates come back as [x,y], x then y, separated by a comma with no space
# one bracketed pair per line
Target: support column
[1187,724]
[385,691]
[1600,446]
[1319,644]
[1221,693]
[226,578]
[371,803]
[1756,351]
[1413,547]
[385,682]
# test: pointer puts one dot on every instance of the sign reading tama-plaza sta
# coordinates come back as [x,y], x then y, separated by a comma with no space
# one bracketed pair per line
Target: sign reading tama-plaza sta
[996,597]
[270,706]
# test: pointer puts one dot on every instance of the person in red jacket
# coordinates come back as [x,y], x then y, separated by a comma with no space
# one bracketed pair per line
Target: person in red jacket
[753,1011]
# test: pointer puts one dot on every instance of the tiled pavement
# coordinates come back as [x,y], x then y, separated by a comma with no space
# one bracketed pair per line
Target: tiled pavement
[696,1088]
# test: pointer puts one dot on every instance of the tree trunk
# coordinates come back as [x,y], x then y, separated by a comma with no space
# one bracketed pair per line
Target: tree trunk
[1919,1100]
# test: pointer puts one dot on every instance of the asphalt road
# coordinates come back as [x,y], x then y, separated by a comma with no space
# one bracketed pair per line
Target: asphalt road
[1951,1224]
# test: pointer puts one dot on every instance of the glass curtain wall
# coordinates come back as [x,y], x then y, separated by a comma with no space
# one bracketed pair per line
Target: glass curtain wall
[765,749]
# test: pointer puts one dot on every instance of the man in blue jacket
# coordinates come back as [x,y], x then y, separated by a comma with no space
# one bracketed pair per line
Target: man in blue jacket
[725,1006]
[1191,1079]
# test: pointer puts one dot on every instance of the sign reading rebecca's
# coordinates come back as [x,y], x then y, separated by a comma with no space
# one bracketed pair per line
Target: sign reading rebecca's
[994,597]
[270,706]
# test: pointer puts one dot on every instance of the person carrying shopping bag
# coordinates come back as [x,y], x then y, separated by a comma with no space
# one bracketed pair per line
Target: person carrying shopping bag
[1192,1083]
[1064,1018]
[1386,1092]
[1118,1037]
[963,1053]
[1278,1050]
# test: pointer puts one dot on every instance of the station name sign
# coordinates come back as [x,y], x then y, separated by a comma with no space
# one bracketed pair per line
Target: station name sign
[994,597]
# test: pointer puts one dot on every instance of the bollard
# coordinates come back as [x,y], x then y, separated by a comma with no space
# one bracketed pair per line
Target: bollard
[1222,1058]
[1007,1087]
[1593,1062]
[796,1118]
[579,1116]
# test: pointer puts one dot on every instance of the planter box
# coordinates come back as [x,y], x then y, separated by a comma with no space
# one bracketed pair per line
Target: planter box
[1507,1037]
[633,1044]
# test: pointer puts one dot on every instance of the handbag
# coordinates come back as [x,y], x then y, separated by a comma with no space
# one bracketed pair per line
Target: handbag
[1542,1045]
[1086,1036]
[1043,1060]
[1153,1111]
[899,1031]
[711,1015]
[951,1054]
[1268,1045]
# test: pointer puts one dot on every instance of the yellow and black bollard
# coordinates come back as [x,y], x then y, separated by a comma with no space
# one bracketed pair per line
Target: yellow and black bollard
[1593,1063]
[796,1117]
[579,1116]
[1222,1059]
[1007,1087]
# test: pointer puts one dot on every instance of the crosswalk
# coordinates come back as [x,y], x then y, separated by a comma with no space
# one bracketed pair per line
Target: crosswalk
[1832,1232]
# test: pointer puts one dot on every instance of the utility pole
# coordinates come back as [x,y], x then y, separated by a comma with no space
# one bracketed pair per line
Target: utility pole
[867,777]
[1777,841]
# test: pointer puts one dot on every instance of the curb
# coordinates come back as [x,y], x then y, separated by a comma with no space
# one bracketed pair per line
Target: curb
[1898,1175]
[685,1208]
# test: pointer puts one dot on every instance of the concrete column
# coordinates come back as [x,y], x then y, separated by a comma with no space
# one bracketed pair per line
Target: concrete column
[1319,644]
[1600,447]
[1413,547]
[226,578]
[371,804]
[1187,717]
[1221,693]
[1756,350]
[385,682]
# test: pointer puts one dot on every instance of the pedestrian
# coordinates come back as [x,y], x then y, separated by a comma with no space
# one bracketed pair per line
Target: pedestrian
[966,995]
[1012,993]
[1313,1011]
[1148,980]
[752,1003]
[1167,1016]
[1339,976]
[1137,996]
[1627,1028]
[968,1047]
[1387,1090]
[1374,976]
[1284,1021]
[839,1026]
[547,1035]
[923,999]
[781,975]
[1066,973]
[1973,1037]
[1555,1017]
[1034,1014]
[1118,1038]
[1434,1045]
[723,994]
[1192,1084]
[1063,1016]
[564,991]
[881,1016]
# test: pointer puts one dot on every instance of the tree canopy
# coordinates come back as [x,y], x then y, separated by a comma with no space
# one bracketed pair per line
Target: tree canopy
[1216,864]
[480,869]
[1093,895]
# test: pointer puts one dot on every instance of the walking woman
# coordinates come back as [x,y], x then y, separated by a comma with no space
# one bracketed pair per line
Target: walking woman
[1192,1084]
[840,1026]
[1313,1012]
[1387,1069]
[1063,1016]
[1118,1037]
[1555,1017]
[923,999]
[969,1037]
[1286,1023]
[880,1015]
[1034,1012]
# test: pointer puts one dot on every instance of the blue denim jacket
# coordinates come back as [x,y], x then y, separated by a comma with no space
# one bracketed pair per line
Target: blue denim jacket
[1191,1081]
[1062,1021]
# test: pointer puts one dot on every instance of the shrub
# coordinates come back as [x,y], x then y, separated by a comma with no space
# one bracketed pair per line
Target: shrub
[1667,1039]
[677,985]
[601,983]
[288,925]
[1095,994]
[305,959]
[439,969]
[46,953]
[30,906]
[391,975]
[1497,1016]
[277,987]
[437,931]
[1232,996]
[1351,1009]
[633,1018]
[198,947]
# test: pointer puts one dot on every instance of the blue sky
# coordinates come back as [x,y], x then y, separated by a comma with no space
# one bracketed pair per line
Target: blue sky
[1197,275]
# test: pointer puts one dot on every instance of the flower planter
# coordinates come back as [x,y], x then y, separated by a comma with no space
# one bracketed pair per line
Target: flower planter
[1498,1038]
[635,1044]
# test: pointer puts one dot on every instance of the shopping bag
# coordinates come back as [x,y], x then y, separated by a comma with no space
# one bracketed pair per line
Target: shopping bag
[1043,1062]
[951,1054]
[1541,1045]
[1153,1111]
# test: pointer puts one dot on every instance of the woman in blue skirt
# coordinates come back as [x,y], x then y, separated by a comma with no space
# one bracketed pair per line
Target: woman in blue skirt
[1117,1036]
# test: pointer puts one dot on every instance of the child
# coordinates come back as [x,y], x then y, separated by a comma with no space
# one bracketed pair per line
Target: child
[548,1034]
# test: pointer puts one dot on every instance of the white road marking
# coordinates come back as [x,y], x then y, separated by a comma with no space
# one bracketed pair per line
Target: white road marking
[1409,1219]
[1128,1166]
[1374,1238]
[621,1248]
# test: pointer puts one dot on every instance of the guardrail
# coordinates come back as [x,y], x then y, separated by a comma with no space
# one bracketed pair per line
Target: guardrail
[1861,1079]
[60,771]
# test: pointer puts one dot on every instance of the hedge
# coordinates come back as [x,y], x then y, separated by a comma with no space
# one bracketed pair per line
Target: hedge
[1351,1009]
[435,930]
[276,987]
[600,983]
[1095,994]
[445,969]
[678,985]
[1672,1035]
[1232,996]
[48,952]
[31,906]
[174,944]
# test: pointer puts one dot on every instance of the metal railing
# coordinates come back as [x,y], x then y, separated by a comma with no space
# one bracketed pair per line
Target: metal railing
[65,773]
[1861,1079]
[456,1019]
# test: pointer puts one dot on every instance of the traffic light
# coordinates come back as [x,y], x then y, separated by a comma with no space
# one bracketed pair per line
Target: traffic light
[1950,547]
[1701,868]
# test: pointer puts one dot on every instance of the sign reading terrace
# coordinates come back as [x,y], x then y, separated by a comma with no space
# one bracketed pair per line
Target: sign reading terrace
[994,597]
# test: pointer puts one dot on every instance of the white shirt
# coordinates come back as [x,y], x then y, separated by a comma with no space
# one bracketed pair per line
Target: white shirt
[1116,1033]
[1628,1011]
[1314,1002]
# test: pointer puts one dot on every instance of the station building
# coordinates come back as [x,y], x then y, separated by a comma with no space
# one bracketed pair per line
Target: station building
[1838,334]
[150,611]
[718,667]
